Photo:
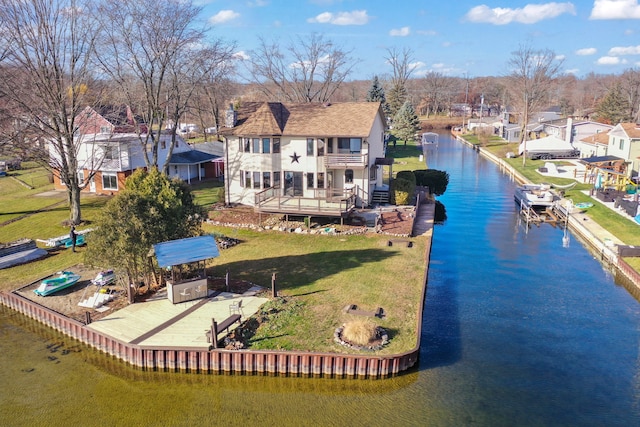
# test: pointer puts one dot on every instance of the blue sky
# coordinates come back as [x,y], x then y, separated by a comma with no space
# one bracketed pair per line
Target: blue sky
[453,37]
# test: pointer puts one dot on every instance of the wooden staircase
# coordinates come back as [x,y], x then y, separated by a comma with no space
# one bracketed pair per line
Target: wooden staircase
[380,197]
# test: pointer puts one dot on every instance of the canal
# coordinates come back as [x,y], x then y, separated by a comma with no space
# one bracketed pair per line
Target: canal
[518,329]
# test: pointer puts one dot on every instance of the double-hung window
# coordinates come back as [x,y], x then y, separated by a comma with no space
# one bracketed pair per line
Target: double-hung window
[309,146]
[266,145]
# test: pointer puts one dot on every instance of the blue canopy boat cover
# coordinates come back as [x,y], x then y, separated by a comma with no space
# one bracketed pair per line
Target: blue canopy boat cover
[185,251]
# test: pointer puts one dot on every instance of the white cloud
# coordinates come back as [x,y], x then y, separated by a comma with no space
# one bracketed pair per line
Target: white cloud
[400,32]
[615,9]
[427,32]
[586,51]
[573,71]
[611,60]
[224,16]
[560,57]
[530,14]
[241,54]
[629,50]
[357,17]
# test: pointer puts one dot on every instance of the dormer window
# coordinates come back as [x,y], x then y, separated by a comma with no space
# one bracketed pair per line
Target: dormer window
[105,129]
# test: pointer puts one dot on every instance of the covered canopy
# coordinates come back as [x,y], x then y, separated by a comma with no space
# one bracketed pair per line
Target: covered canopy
[184,251]
[548,144]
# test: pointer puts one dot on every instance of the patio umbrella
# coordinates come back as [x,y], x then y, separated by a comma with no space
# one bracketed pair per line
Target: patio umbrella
[598,184]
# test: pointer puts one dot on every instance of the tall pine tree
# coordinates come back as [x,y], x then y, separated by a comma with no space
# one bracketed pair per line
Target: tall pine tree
[614,107]
[406,122]
[376,94]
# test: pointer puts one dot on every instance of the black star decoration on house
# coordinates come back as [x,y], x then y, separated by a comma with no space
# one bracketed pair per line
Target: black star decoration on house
[295,158]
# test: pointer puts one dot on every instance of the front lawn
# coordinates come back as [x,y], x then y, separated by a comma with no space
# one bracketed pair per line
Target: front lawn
[319,275]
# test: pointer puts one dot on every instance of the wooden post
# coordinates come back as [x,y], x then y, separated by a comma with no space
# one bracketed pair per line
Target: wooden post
[214,333]
[274,291]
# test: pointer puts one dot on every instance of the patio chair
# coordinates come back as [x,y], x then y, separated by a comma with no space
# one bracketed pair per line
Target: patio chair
[236,308]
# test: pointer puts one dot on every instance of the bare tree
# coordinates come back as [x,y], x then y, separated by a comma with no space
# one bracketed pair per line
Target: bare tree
[630,85]
[157,58]
[402,64]
[531,78]
[438,91]
[46,80]
[308,70]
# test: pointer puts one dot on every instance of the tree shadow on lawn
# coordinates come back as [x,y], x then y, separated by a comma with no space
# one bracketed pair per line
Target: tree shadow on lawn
[300,270]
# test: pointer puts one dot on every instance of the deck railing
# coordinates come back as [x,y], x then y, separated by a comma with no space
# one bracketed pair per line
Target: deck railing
[322,200]
[345,160]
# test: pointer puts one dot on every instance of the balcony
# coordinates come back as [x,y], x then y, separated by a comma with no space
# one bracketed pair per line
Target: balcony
[345,161]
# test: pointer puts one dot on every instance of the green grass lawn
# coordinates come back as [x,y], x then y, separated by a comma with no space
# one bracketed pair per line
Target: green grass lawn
[406,157]
[320,275]
[317,275]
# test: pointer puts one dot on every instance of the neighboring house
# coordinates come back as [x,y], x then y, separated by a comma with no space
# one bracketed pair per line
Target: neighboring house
[109,150]
[572,130]
[305,158]
[624,142]
[593,145]
[510,126]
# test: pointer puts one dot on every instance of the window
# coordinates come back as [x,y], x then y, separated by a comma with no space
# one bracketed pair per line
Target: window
[320,179]
[310,180]
[343,145]
[163,144]
[330,146]
[320,147]
[256,180]
[348,176]
[373,173]
[247,145]
[242,179]
[81,177]
[247,179]
[109,181]
[309,146]
[622,143]
[105,129]
[110,153]
[266,179]
[276,145]
[349,145]
[276,179]
[256,145]
[266,145]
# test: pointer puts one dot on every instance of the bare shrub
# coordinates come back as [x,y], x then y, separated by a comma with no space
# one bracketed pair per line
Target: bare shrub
[360,331]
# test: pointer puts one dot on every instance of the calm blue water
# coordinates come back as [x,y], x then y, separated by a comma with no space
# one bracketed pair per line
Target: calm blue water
[518,330]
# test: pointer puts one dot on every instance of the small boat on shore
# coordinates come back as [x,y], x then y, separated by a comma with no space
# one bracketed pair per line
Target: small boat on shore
[64,280]
[534,195]
[583,205]
[104,278]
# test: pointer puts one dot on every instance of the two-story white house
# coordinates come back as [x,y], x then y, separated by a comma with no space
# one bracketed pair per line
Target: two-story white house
[624,142]
[109,150]
[304,158]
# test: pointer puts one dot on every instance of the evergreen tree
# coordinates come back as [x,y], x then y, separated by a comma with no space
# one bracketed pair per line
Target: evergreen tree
[151,209]
[397,97]
[614,107]
[376,94]
[406,122]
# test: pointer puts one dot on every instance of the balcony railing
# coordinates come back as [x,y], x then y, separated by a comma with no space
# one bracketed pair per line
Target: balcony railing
[345,160]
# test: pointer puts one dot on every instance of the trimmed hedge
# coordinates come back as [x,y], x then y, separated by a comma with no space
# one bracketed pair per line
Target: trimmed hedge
[436,180]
